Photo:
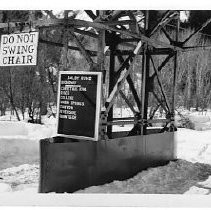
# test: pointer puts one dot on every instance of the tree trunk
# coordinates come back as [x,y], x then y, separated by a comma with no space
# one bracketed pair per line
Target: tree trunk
[43,108]
[14,108]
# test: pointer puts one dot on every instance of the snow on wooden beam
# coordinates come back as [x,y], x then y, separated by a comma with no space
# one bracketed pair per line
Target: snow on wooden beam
[82,23]
[84,32]
[90,14]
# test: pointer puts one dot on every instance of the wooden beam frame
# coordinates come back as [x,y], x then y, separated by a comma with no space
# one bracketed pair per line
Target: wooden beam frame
[111,77]
[82,49]
[197,31]
[127,102]
[151,115]
[134,28]
[121,80]
[120,22]
[175,78]
[65,41]
[165,61]
[166,34]
[57,44]
[82,23]
[160,22]
[131,85]
[129,122]
[145,78]
[116,14]
[90,14]
[159,101]
[87,33]
[165,20]
[160,85]
[138,42]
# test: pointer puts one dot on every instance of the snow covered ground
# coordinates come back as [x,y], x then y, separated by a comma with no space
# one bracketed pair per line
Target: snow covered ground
[190,174]
[175,178]
[23,178]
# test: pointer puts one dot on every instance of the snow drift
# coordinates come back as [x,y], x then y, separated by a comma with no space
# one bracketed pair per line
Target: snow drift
[14,152]
[175,178]
[191,174]
[19,142]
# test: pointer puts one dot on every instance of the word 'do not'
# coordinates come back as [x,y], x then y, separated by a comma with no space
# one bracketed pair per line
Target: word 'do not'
[19,49]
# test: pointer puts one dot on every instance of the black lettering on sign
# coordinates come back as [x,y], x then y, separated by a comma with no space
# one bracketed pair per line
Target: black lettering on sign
[19,49]
[79,104]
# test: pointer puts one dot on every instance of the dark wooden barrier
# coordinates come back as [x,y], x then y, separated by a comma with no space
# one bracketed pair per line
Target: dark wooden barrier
[68,165]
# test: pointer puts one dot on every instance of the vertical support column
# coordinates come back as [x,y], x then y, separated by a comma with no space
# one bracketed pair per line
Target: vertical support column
[101,46]
[111,85]
[65,42]
[143,85]
[146,91]
[175,76]
[145,79]
[1,16]
[100,54]
[101,68]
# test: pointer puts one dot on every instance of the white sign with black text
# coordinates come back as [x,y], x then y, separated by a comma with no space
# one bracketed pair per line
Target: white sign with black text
[19,49]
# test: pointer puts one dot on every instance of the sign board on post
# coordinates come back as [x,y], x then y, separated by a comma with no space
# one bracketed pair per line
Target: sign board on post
[78,104]
[19,49]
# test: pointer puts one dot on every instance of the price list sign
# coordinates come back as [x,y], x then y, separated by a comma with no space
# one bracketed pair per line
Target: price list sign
[78,108]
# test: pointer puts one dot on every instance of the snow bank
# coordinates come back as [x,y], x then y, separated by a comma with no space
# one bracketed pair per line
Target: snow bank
[15,130]
[178,177]
[5,188]
[19,142]
[14,152]
[22,178]
[37,132]
[175,178]
[193,146]
[9,128]
[194,119]
[200,122]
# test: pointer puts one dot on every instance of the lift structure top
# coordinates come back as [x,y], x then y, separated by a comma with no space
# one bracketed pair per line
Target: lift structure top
[123,36]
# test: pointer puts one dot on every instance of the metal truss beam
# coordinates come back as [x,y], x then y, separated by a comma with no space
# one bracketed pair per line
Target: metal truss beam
[197,31]
[96,25]
[90,14]
[130,105]
[168,16]
[128,39]
[160,85]
[82,49]
[166,60]
[131,85]
[121,80]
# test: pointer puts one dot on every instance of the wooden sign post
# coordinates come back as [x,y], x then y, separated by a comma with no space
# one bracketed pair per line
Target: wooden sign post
[78,104]
[19,49]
